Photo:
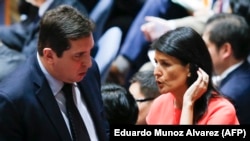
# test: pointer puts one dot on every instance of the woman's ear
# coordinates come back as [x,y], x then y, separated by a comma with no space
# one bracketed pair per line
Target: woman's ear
[188,69]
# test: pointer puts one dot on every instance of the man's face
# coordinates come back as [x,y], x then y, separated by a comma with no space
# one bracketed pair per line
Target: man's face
[144,106]
[214,53]
[74,63]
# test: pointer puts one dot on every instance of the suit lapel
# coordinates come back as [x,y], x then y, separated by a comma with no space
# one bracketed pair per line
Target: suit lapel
[52,109]
[49,104]
[238,71]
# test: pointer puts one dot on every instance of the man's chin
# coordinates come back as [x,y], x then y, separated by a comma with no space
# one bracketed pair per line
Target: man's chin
[80,77]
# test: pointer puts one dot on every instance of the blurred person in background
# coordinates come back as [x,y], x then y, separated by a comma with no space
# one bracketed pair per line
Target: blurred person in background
[227,38]
[144,89]
[133,50]
[120,106]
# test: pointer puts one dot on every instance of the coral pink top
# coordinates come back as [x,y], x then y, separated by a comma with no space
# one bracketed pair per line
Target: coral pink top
[220,112]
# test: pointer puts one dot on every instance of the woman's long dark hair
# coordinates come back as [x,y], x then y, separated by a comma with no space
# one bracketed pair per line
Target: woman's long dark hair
[187,45]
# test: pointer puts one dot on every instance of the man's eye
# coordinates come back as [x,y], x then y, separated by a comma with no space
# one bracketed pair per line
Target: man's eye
[78,55]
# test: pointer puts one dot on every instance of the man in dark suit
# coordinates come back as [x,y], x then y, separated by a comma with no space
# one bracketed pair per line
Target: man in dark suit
[227,39]
[20,39]
[32,103]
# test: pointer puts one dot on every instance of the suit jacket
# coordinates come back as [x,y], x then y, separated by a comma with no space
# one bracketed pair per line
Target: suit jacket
[23,36]
[237,87]
[29,110]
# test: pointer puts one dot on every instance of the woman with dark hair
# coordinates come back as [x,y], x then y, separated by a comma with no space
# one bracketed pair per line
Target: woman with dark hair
[183,73]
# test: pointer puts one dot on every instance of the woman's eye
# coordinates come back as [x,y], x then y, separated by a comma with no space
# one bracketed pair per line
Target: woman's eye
[165,64]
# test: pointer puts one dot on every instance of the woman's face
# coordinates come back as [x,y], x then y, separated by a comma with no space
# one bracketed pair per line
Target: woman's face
[171,75]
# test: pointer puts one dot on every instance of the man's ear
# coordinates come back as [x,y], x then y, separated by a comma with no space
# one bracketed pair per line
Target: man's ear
[48,55]
[226,50]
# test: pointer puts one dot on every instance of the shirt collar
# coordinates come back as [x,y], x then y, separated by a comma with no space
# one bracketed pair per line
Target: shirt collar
[218,78]
[54,84]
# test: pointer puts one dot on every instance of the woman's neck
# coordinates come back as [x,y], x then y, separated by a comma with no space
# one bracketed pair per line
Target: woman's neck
[178,101]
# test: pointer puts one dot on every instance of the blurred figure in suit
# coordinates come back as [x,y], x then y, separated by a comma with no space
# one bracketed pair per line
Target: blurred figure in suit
[227,39]
[133,50]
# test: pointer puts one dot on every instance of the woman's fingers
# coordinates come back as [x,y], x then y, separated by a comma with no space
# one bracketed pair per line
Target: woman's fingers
[204,75]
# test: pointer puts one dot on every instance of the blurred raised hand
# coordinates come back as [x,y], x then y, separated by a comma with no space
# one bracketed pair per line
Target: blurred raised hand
[155,27]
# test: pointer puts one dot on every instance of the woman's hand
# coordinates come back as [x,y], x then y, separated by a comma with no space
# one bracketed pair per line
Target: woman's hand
[194,92]
[198,88]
